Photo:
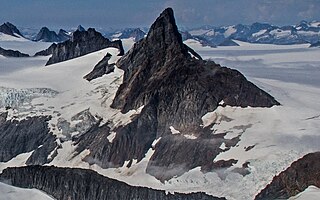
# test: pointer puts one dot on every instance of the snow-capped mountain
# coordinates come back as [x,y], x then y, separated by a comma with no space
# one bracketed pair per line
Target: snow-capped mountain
[45,35]
[10,29]
[135,34]
[264,33]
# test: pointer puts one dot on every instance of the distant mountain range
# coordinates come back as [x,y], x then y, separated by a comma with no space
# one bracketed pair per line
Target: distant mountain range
[303,32]
[264,33]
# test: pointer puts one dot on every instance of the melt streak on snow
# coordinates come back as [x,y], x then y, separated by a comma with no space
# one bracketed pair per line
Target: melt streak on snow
[277,136]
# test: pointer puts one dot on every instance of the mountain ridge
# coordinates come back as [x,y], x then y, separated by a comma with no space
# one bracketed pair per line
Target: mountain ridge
[174,88]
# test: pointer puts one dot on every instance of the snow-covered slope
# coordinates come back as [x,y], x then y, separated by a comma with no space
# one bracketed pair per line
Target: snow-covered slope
[21,44]
[8,192]
[311,193]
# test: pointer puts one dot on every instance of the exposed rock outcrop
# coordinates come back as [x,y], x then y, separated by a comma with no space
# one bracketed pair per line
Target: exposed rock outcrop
[45,35]
[12,53]
[82,43]
[176,88]
[10,29]
[300,175]
[30,134]
[63,35]
[103,67]
[81,184]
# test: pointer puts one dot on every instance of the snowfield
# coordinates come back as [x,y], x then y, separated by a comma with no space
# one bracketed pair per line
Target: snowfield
[8,192]
[311,193]
[276,136]
[22,44]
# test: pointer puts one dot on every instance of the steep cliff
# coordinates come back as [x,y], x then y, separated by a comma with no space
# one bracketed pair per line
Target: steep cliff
[80,184]
[30,134]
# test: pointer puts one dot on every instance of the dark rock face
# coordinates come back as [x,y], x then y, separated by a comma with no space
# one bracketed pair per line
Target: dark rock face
[300,175]
[45,35]
[176,89]
[103,67]
[25,136]
[80,184]
[63,35]
[82,43]
[10,29]
[48,51]
[3,117]
[12,53]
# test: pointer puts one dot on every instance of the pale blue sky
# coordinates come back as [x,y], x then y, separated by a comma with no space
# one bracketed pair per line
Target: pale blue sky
[139,13]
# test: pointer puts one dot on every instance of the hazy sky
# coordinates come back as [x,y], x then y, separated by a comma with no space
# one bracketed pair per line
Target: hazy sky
[139,13]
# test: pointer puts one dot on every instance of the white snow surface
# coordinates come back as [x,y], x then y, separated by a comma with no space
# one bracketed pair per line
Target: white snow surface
[261,32]
[229,31]
[8,192]
[311,193]
[22,44]
[279,135]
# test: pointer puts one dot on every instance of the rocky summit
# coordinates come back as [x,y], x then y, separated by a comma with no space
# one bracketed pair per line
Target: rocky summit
[45,35]
[10,29]
[175,88]
[81,43]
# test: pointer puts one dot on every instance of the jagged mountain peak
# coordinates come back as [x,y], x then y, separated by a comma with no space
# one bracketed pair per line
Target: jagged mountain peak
[164,29]
[10,29]
[46,35]
[80,28]
[174,89]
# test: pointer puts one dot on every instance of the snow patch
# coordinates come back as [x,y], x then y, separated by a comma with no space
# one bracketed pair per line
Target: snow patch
[173,130]
[9,192]
[111,136]
[311,193]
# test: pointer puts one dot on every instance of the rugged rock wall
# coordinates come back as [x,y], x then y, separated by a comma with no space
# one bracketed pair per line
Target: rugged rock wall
[30,134]
[12,53]
[82,43]
[176,89]
[300,175]
[80,184]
